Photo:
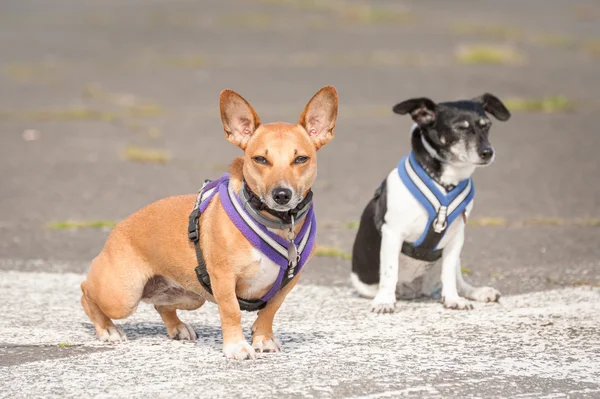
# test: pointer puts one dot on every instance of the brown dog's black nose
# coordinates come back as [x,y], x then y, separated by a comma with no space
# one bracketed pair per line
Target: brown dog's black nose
[282,195]
[486,153]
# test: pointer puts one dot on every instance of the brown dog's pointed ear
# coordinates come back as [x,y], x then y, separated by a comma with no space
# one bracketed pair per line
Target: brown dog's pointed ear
[239,119]
[319,115]
[493,105]
[422,110]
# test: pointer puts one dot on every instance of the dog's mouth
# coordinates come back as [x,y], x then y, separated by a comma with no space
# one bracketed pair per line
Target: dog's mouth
[281,208]
[270,202]
[477,164]
[473,161]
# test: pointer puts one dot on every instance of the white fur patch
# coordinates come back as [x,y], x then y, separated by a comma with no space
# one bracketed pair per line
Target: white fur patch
[266,275]
[364,290]
[113,334]
[239,351]
[267,345]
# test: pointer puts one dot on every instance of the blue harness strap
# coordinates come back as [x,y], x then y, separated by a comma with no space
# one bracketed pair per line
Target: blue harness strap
[442,206]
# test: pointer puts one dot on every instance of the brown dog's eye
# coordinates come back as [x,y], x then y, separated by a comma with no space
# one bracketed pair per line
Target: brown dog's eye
[300,160]
[260,160]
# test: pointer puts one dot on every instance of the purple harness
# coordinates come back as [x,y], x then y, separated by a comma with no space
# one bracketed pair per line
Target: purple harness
[290,256]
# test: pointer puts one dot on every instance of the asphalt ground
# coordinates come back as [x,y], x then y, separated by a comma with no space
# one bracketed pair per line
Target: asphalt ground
[87,86]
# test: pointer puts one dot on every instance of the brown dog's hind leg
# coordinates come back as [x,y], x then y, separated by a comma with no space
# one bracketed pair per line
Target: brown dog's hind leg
[105,328]
[111,291]
[167,297]
[176,329]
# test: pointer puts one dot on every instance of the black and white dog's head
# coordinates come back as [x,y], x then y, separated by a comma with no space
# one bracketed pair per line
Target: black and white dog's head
[454,133]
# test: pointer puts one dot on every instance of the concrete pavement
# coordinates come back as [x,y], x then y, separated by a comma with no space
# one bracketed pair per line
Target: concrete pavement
[532,345]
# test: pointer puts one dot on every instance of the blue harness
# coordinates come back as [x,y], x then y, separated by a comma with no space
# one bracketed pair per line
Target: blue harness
[442,206]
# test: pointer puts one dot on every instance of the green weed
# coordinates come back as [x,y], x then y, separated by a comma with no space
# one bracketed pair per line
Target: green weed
[81,224]
[488,55]
[332,252]
[145,155]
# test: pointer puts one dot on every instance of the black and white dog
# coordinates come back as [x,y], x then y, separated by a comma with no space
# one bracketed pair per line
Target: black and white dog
[418,214]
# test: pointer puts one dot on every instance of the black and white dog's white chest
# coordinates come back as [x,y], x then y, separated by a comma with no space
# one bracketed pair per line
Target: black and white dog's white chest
[394,207]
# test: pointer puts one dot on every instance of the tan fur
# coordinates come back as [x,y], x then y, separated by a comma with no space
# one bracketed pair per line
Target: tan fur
[149,257]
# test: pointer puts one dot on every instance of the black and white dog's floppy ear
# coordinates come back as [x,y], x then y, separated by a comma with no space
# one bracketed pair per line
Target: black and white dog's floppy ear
[422,110]
[493,105]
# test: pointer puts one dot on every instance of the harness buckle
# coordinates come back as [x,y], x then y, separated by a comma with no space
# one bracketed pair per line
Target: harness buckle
[437,227]
[193,233]
[440,222]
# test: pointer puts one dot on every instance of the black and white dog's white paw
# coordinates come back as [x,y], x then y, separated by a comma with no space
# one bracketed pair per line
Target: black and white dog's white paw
[384,303]
[457,303]
[485,294]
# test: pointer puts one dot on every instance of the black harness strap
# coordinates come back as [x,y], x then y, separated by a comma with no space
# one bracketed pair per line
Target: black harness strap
[426,250]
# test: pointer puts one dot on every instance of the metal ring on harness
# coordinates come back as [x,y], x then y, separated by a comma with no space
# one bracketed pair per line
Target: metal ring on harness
[437,228]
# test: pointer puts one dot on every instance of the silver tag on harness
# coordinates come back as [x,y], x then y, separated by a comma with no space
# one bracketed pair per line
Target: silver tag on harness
[293,255]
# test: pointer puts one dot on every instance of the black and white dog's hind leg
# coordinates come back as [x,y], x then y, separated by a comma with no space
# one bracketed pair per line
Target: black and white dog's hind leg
[479,294]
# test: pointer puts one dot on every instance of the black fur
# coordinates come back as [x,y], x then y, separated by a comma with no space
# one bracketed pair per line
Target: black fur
[365,253]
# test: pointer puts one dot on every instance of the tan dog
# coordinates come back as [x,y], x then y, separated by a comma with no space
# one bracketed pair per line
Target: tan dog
[149,257]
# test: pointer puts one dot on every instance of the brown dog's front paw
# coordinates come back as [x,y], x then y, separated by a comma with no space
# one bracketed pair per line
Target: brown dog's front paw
[266,343]
[182,332]
[239,351]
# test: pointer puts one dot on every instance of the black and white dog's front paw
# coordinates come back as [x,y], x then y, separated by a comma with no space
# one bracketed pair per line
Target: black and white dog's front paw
[457,303]
[485,294]
[384,303]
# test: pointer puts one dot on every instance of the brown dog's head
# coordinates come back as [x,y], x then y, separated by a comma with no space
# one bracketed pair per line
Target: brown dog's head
[280,162]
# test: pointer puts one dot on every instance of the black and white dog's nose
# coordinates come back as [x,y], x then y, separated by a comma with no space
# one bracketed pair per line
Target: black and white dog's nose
[282,195]
[486,153]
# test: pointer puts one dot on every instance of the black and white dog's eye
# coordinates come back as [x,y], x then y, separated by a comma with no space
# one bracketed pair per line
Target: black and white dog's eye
[463,125]
[300,160]
[260,160]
